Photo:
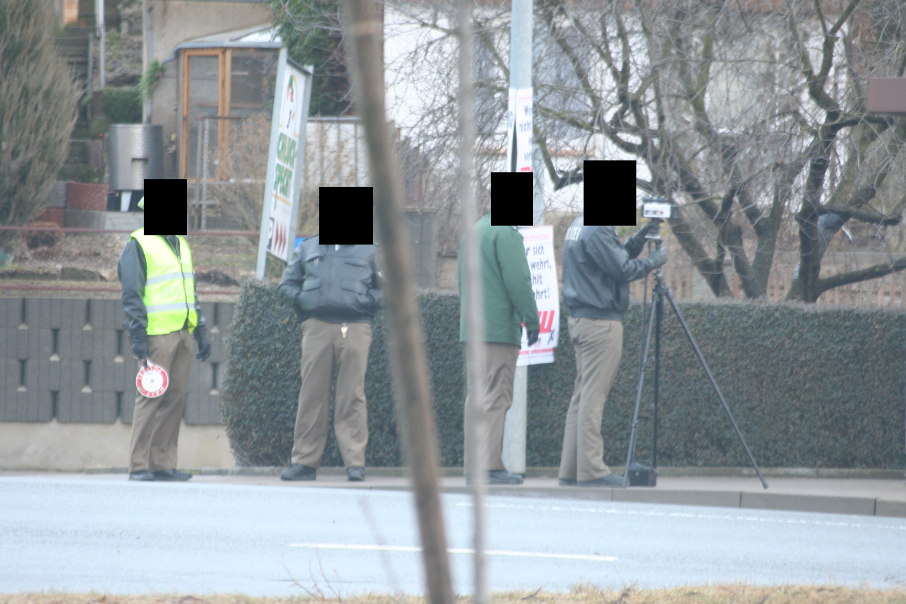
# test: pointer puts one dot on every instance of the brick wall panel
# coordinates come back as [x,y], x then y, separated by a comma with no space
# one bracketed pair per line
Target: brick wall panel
[107,314]
[10,312]
[72,374]
[30,404]
[9,342]
[63,372]
[35,344]
[113,376]
[74,314]
[86,407]
[128,406]
[54,374]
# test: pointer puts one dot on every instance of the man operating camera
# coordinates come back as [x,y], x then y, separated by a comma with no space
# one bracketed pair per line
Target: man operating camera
[597,270]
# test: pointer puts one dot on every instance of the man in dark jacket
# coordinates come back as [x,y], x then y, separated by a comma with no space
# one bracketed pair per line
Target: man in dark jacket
[509,301]
[163,316]
[597,269]
[336,292]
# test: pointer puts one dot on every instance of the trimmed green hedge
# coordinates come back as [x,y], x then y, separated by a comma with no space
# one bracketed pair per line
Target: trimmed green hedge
[808,387]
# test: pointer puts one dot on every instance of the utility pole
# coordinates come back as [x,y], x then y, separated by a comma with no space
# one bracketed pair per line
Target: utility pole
[514,433]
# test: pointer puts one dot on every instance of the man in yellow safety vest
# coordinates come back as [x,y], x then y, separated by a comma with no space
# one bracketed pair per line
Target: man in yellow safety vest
[163,316]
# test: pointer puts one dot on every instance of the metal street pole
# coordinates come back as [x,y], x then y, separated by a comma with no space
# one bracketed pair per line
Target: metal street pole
[514,433]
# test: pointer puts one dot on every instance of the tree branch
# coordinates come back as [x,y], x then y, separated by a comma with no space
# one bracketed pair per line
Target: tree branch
[864,274]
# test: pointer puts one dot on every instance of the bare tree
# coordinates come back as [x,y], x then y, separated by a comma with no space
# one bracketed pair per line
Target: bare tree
[748,115]
[38,102]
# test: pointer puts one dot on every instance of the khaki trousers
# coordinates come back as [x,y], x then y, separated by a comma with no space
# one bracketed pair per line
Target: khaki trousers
[500,371]
[324,348]
[598,346]
[156,421]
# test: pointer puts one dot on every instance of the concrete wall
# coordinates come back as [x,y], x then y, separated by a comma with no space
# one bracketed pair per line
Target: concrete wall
[67,387]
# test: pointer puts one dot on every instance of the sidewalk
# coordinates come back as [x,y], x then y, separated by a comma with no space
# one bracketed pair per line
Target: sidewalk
[860,492]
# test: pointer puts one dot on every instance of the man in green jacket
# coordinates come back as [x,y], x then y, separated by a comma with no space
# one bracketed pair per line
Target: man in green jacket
[508,302]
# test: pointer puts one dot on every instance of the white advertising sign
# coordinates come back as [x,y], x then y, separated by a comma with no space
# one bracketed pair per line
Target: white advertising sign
[519,131]
[539,249]
[284,166]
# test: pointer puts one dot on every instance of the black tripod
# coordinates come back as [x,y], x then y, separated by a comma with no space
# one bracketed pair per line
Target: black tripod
[655,317]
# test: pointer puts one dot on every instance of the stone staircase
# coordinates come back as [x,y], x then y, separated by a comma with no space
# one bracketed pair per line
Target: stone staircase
[75,45]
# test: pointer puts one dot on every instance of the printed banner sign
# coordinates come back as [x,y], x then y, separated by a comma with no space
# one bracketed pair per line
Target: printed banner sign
[519,131]
[283,182]
[539,250]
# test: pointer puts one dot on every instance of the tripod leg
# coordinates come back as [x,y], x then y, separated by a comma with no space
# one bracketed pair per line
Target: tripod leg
[638,397]
[720,395]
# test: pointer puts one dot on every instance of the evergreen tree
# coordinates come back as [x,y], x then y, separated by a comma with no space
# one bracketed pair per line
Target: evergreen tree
[312,33]
[38,107]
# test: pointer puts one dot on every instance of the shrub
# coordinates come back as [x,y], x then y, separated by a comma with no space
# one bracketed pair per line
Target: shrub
[808,387]
[123,105]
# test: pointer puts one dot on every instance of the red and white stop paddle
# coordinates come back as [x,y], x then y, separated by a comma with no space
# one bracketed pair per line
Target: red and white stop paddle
[152,380]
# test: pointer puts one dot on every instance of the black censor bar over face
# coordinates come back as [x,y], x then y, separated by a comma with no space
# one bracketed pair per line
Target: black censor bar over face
[511,199]
[166,206]
[609,196]
[346,215]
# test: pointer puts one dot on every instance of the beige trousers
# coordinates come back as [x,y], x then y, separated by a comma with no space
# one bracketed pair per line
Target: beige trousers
[156,421]
[500,371]
[325,347]
[598,346]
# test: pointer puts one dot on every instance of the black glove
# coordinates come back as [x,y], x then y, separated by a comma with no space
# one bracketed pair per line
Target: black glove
[651,228]
[139,342]
[658,257]
[202,342]
[532,335]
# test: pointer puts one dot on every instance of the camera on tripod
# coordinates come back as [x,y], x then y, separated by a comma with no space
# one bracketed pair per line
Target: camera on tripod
[657,209]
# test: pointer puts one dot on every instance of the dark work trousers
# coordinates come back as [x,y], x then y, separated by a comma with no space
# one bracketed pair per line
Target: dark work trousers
[156,421]
[326,346]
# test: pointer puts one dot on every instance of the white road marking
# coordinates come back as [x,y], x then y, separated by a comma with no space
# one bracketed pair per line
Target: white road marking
[403,548]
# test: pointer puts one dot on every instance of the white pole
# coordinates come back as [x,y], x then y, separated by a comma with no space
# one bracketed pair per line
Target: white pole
[514,441]
[101,30]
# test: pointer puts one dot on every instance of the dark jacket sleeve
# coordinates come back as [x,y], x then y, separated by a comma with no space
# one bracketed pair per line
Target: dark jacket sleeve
[293,277]
[517,278]
[607,252]
[132,273]
[377,281]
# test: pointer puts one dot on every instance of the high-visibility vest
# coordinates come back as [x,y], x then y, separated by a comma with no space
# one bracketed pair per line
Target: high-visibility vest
[169,284]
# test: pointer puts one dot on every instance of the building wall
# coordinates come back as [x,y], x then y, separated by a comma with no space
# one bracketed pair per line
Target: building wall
[174,22]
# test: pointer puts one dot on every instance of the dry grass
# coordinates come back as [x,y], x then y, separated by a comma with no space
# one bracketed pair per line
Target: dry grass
[735,593]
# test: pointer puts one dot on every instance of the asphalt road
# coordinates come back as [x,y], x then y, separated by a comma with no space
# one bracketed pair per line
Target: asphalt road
[117,537]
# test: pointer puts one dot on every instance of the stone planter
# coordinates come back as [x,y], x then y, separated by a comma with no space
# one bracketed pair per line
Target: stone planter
[85,196]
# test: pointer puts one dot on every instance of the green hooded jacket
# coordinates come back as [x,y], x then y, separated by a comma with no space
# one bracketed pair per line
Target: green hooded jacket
[509,299]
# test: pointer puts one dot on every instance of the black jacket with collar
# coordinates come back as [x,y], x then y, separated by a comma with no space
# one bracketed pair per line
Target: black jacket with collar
[597,269]
[333,283]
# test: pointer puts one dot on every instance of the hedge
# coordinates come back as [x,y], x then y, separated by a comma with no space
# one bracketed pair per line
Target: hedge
[808,387]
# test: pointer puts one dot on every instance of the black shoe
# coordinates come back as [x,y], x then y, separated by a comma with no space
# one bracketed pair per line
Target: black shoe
[173,474]
[503,477]
[568,482]
[141,475]
[355,473]
[611,480]
[298,472]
